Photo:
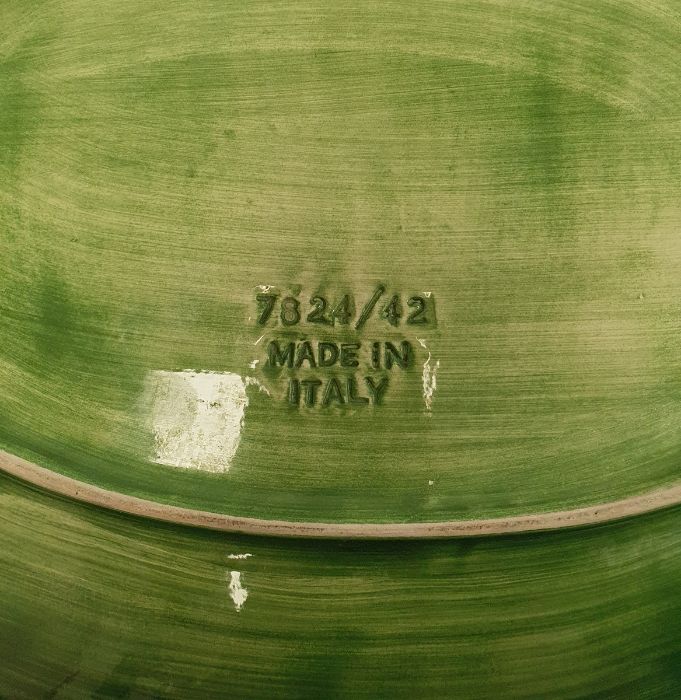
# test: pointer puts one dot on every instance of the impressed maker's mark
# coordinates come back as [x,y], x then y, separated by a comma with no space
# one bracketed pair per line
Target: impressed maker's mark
[349,370]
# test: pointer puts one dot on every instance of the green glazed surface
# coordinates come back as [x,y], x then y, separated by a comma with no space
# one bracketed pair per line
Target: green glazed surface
[519,161]
[103,606]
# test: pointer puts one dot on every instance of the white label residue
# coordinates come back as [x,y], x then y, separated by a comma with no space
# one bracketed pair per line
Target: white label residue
[197,418]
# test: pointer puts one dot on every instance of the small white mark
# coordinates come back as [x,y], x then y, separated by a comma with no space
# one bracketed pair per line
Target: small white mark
[429,382]
[430,482]
[640,296]
[239,556]
[253,364]
[427,294]
[422,343]
[264,287]
[258,340]
[237,592]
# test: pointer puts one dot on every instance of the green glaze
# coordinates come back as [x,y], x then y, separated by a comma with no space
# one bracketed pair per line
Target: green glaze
[158,160]
[98,605]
